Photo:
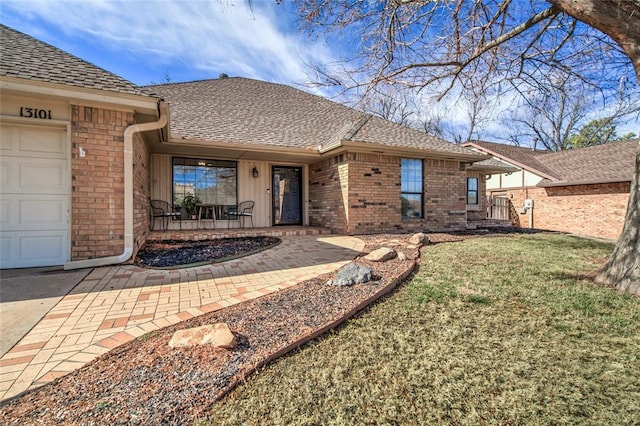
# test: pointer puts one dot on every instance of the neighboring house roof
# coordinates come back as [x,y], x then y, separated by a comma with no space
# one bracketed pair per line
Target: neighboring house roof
[245,111]
[612,162]
[25,57]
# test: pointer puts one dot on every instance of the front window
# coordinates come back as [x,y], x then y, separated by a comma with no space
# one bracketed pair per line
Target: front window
[411,188]
[199,181]
[472,190]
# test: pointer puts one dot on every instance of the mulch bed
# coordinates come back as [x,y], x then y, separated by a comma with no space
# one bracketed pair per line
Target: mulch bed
[177,253]
[146,382]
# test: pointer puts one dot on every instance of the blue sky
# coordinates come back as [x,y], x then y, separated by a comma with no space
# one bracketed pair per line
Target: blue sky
[185,40]
[144,41]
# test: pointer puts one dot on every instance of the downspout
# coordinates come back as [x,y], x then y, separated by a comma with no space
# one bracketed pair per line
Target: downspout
[128,197]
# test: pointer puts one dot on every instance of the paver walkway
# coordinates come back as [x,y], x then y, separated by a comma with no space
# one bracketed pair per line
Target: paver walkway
[114,305]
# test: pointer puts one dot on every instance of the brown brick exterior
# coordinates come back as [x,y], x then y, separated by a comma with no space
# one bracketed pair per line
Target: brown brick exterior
[141,190]
[357,193]
[328,181]
[97,200]
[596,210]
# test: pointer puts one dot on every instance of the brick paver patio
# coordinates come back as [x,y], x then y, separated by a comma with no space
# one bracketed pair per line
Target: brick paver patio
[114,305]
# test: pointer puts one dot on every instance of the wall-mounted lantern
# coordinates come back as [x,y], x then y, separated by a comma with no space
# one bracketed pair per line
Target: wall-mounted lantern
[255,172]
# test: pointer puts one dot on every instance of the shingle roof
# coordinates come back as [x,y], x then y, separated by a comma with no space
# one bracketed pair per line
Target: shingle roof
[492,166]
[25,57]
[612,162]
[384,132]
[246,111]
[519,155]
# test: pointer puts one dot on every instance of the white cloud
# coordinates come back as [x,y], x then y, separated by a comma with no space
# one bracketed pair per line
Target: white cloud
[209,37]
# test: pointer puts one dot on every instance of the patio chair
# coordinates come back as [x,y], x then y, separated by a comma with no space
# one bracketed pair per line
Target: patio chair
[163,211]
[241,211]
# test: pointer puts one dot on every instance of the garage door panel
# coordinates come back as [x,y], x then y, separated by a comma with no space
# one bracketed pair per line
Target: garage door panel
[4,174]
[39,141]
[33,176]
[29,249]
[7,255]
[42,176]
[6,216]
[43,214]
[9,136]
[34,201]
[34,141]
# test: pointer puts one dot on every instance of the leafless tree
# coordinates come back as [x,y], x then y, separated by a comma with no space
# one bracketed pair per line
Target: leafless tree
[440,43]
[479,103]
[391,104]
[463,118]
[431,121]
[554,114]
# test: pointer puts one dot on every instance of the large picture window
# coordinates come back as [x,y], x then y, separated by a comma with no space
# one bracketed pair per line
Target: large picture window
[198,181]
[472,190]
[411,188]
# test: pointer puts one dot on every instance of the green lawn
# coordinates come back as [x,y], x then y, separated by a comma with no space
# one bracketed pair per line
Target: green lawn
[490,331]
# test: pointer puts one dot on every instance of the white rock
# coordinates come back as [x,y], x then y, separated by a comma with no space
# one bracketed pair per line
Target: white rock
[381,255]
[218,334]
[419,239]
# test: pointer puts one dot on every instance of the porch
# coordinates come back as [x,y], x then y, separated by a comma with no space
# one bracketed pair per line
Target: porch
[223,232]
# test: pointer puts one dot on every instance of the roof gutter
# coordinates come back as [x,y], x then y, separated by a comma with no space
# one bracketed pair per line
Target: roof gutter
[418,152]
[582,182]
[128,195]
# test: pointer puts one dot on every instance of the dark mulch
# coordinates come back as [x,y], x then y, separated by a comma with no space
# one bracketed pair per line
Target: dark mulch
[176,253]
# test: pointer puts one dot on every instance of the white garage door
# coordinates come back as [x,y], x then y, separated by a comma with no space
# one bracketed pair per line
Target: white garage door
[34,196]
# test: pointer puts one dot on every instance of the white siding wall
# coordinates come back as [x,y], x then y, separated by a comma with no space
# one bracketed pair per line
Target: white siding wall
[249,188]
[522,178]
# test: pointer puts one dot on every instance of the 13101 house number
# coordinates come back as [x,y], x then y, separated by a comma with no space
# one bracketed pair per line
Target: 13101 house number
[43,114]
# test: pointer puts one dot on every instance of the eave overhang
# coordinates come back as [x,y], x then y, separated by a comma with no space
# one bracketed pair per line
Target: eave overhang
[86,96]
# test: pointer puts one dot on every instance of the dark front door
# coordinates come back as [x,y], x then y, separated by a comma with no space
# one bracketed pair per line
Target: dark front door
[287,195]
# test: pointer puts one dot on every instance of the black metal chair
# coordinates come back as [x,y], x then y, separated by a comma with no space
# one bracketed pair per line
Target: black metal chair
[242,210]
[162,210]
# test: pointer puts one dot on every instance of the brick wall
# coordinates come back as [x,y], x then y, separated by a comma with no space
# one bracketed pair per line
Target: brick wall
[595,210]
[97,200]
[357,193]
[328,181]
[141,190]
[374,194]
[445,195]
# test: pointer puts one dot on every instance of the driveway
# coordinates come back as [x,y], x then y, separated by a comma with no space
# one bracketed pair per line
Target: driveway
[26,295]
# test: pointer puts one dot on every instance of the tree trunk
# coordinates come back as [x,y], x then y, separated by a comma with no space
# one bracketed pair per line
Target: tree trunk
[619,19]
[622,270]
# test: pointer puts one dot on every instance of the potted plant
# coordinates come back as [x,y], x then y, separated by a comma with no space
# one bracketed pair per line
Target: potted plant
[189,204]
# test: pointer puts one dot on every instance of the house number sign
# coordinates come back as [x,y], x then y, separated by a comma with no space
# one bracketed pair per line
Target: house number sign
[28,112]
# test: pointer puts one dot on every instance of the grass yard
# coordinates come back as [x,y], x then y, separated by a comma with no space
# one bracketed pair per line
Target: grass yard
[504,330]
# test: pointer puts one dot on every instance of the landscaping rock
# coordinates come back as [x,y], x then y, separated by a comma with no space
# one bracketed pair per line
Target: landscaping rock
[352,274]
[401,256]
[419,239]
[217,334]
[381,255]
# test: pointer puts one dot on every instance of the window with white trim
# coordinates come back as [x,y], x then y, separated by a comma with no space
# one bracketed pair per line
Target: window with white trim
[412,191]
[472,191]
